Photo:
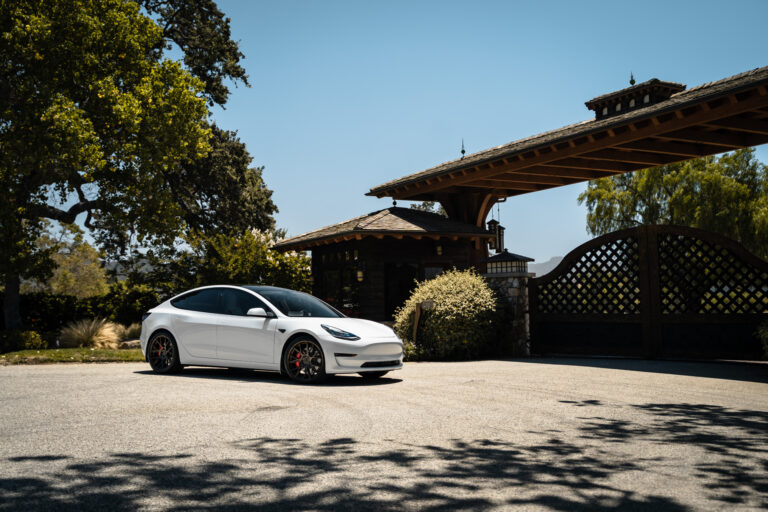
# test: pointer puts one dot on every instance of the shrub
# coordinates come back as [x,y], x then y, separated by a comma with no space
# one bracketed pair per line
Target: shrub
[10,341]
[132,332]
[95,333]
[123,303]
[460,326]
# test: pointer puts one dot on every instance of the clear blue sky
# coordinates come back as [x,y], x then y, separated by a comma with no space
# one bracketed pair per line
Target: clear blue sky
[348,95]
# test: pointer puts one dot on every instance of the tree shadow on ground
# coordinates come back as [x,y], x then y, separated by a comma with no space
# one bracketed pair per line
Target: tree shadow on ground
[734,442]
[586,471]
[245,375]
[339,474]
[730,370]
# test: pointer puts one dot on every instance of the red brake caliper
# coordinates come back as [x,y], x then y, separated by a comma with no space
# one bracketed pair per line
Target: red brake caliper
[298,356]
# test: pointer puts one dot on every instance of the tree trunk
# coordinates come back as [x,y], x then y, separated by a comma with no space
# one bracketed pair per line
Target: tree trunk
[11,311]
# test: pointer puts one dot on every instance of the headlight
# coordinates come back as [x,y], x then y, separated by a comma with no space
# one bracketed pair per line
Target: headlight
[338,333]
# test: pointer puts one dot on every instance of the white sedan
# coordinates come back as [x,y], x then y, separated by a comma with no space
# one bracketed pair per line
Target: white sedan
[265,328]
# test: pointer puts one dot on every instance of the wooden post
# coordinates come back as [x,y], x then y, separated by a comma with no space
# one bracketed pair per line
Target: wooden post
[416,318]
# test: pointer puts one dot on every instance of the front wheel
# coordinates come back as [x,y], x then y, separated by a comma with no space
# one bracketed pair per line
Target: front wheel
[163,353]
[304,362]
[373,375]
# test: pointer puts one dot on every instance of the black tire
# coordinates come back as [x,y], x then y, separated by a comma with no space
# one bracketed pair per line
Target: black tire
[163,353]
[303,361]
[373,375]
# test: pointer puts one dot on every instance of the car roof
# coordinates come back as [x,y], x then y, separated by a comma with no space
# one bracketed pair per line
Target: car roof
[260,288]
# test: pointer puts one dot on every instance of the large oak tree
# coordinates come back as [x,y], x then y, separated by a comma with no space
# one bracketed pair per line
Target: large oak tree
[95,122]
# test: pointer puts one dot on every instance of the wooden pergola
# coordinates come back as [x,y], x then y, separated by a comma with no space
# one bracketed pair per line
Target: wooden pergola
[646,125]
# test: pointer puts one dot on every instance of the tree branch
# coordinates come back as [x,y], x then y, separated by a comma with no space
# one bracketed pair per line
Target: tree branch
[65,216]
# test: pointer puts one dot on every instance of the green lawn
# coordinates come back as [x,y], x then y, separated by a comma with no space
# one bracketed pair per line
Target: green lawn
[71,355]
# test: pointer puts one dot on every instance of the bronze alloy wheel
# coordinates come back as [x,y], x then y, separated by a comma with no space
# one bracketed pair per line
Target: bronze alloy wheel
[304,361]
[162,353]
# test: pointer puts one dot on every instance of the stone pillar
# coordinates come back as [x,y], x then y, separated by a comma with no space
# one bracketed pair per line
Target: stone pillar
[512,290]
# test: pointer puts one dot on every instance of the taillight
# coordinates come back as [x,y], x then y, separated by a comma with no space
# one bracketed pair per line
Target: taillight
[145,316]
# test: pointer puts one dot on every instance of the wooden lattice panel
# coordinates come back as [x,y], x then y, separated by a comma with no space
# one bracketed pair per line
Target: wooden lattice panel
[603,280]
[703,277]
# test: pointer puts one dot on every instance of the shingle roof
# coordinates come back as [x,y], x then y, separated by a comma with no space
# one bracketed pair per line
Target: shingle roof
[506,256]
[390,221]
[677,101]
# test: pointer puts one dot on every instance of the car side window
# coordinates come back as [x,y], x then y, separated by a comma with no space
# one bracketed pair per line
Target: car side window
[237,302]
[205,301]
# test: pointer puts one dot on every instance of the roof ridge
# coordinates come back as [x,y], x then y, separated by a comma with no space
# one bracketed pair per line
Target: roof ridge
[326,227]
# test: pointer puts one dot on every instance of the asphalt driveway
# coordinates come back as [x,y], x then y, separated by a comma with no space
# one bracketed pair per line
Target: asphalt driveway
[549,434]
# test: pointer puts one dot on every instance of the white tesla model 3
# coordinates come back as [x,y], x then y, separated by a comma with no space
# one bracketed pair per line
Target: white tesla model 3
[265,328]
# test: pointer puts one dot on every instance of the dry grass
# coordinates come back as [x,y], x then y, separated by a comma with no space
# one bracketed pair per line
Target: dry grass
[133,331]
[93,333]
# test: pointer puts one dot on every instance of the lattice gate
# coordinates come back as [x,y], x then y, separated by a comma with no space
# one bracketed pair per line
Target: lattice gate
[652,291]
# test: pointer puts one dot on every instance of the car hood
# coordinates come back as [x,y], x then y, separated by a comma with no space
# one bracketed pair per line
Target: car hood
[360,327]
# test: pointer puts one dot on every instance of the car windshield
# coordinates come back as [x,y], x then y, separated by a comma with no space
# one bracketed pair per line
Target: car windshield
[291,303]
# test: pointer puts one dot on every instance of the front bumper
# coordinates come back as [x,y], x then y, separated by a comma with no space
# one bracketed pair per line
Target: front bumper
[382,354]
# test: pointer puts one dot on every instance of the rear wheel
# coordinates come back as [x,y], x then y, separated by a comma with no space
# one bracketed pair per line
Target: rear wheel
[373,375]
[163,353]
[303,361]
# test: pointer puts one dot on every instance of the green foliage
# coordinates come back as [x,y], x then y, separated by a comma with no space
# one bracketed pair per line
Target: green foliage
[95,332]
[462,324]
[13,340]
[431,207]
[200,30]
[727,195]
[124,303]
[247,258]
[92,119]
[221,193]
[78,270]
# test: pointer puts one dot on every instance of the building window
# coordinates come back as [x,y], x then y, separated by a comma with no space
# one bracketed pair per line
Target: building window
[647,98]
[632,103]
[618,107]
[506,267]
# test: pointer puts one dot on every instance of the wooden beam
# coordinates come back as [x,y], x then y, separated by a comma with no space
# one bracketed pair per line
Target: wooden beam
[757,126]
[500,189]
[502,184]
[681,149]
[633,157]
[727,140]
[517,178]
[601,165]
[580,174]
[485,206]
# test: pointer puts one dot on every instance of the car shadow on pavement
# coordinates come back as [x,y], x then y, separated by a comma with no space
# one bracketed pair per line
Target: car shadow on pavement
[586,471]
[730,370]
[245,375]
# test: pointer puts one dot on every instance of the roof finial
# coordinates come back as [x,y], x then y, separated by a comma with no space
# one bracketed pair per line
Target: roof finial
[631,78]
[394,202]
[462,148]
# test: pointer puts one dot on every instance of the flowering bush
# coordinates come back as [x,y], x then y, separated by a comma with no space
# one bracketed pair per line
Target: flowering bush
[462,323]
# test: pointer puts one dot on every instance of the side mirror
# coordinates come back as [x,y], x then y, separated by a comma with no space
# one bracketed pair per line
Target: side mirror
[257,312]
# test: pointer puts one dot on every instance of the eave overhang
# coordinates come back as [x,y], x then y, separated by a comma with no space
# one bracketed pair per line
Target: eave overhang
[708,119]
